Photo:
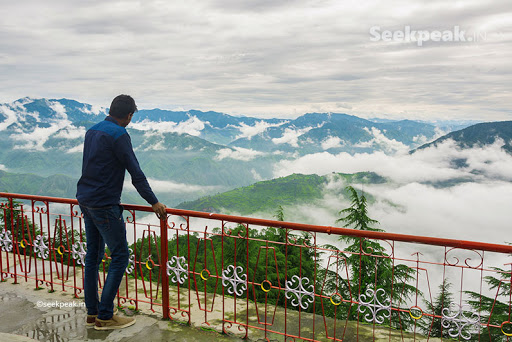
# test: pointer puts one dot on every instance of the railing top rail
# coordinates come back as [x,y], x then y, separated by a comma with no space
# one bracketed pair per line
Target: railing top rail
[500,248]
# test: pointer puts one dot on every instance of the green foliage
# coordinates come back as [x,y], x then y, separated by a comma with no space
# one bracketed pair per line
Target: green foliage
[371,268]
[279,213]
[55,185]
[444,299]
[357,214]
[491,309]
[258,260]
[266,196]
[263,196]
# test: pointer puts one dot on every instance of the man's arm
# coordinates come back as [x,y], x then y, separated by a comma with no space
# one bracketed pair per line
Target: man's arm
[124,152]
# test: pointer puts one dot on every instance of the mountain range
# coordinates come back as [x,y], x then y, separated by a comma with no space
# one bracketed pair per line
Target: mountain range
[195,153]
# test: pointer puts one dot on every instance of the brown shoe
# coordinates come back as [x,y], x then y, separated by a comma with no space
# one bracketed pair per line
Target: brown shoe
[91,319]
[116,322]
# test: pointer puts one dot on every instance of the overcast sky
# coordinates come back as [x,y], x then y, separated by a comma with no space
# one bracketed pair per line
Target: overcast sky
[263,58]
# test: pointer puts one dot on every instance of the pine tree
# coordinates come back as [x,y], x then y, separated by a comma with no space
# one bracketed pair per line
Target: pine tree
[444,299]
[491,309]
[370,267]
[279,214]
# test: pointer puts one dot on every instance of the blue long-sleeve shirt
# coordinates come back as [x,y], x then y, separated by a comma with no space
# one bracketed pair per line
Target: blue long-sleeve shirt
[108,153]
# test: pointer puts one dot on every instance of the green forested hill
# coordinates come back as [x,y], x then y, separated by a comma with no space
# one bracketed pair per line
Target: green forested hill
[267,195]
[54,186]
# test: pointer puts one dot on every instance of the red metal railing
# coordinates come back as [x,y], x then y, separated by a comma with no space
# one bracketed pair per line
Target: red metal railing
[271,279]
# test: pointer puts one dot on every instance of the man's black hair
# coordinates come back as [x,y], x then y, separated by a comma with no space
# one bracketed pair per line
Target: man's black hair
[122,106]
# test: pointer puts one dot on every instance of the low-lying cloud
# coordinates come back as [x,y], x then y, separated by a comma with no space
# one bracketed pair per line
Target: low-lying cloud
[238,153]
[332,142]
[93,109]
[76,149]
[432,164]
[9,117]
[33,134]
[427,194]
[36,138]
[161,186]
[248,131]
[192,126]
[291,136]
[71,132]
[381,142]
[16,113]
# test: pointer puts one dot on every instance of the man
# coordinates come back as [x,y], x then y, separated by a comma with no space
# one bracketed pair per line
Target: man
[108,153]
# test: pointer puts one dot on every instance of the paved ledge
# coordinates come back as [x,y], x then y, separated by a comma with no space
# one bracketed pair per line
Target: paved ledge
[28,315]
[14,338]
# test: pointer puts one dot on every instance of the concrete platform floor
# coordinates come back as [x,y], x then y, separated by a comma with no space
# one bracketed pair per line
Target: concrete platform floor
[28,315]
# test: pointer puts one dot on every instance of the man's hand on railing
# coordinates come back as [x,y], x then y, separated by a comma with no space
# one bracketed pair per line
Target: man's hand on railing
[159,210]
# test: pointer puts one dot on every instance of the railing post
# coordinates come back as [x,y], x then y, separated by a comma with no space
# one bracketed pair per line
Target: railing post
[163,267]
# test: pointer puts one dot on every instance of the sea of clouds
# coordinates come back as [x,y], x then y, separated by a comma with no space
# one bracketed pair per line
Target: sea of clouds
[427,194]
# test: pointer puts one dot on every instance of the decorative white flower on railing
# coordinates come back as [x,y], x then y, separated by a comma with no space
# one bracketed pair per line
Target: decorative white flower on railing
[131,262]
[41,247]
[457,322]
[370,300]
[180,268]
[237,278]
[6,240]
[78,252]
[301,295]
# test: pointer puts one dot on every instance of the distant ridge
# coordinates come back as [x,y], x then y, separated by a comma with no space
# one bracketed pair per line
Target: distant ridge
[479,135]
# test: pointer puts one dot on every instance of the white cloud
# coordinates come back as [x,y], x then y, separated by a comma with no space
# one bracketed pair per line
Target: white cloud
[291,136]
[94,109]
[422,140]
[71,132]
[427,165]
[256,175]
[15,113]
[10,117]
[381,142]
[248,131]
[2,167]
[76,149]
[468,211]
[262,58]
[238,153]
[160,186]
[192,126]
[332,142]
[480,210]
[58,108]
[36,138]
[159,146]
[154,146]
